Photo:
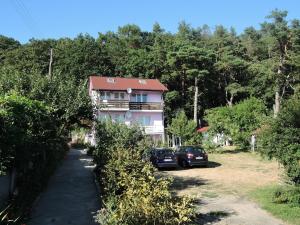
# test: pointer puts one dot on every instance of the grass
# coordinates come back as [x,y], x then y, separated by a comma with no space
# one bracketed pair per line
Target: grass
[286,212]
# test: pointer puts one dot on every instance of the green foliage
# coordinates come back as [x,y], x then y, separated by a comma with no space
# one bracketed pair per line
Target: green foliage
[30,144]
[287,195]
[131,192]
[112,135]
[280,138]
[239,121]
[184,128]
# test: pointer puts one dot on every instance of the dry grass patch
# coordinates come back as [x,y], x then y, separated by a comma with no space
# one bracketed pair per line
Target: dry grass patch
[230,173]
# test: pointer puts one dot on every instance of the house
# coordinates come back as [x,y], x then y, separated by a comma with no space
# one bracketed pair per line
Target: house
[130,101]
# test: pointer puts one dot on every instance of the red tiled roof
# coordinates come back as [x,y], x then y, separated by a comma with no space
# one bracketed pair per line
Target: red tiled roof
[120,84]
[203,129]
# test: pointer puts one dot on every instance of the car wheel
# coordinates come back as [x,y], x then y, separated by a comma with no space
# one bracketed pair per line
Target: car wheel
[184,164]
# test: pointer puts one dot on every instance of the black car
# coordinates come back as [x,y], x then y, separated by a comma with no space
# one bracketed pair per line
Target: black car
[163,158]
[191,156]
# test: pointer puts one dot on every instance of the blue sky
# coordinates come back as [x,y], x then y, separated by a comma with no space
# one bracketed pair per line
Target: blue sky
[24,19]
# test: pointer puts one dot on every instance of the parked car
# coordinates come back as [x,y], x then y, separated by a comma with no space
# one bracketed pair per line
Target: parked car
[191,156]
[163,158]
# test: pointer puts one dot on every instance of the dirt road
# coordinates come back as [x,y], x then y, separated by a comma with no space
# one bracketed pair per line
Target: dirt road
[223,187]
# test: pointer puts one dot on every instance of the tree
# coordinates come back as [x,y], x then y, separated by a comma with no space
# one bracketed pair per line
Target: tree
[280,42]
[280,138]
[231,69]
[190,63]
[238,121]
[183,128]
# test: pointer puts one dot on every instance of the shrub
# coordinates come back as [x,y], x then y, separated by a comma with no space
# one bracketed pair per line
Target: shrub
[185,129]
[237,122]
[110,135]
[29,144]
[287,195]
[280,138]
[131,192]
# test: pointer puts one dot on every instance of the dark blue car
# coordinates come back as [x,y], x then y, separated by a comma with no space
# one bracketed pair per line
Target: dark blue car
[163,158]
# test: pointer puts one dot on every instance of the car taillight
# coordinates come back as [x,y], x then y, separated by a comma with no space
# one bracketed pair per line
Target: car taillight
[190,155]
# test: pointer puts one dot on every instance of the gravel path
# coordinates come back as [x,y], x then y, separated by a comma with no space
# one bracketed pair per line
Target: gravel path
[71,196]
[234,210]
[221,189]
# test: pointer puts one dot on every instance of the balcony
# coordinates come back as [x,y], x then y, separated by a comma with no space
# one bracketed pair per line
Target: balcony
[153,129]
[145,106]
[113,105]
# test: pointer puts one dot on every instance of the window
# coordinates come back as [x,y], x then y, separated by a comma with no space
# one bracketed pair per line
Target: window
[119,118]
[110,80]
[105,95]
[145,120]
[142,81]
[104,117]
[116,95]
[144,98]
[139,97]
[119,95]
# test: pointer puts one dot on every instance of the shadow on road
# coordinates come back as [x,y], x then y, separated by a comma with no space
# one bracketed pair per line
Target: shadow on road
[210,217]
[181,183]
[212,164]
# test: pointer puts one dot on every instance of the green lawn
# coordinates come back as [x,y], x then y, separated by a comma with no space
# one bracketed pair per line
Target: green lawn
[286,212]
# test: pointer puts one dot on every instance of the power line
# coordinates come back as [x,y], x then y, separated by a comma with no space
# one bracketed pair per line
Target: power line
[26,17]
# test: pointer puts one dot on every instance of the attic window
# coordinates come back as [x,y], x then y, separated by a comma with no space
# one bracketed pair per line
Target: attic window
[142,81]
[110,80]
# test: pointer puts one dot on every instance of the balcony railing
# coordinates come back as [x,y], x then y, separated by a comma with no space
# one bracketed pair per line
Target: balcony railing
[111,104]
[123,104]
[145,106]
[153,129]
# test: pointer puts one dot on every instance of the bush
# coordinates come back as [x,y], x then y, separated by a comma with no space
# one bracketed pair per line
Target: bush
[237,122]
[185,129]
[287,195]
[110,135]
[280,138]
[131,192]
[29,144]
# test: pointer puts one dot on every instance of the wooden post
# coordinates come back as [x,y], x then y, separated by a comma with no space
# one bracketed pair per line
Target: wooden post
[50,64]
[196,101]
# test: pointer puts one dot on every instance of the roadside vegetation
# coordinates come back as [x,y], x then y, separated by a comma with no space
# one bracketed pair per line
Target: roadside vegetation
[30,149]
[131,194]
[281,201]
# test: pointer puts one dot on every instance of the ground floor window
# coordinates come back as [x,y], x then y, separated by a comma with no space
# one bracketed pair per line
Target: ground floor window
[145,120]
[119,118]
[104,117]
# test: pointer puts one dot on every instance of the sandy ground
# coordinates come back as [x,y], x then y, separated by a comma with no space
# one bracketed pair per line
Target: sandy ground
[221,189]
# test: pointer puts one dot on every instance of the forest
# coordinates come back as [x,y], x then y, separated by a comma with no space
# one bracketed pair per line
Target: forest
[256,71]
[227,67]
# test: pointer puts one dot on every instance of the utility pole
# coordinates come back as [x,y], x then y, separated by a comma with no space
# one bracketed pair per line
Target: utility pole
[50,64]
[196,101]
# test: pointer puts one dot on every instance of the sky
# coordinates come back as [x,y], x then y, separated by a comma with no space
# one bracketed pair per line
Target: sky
[41,19]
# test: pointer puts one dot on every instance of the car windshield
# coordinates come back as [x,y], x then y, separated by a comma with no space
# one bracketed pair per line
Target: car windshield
[164,152]
[195,150]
